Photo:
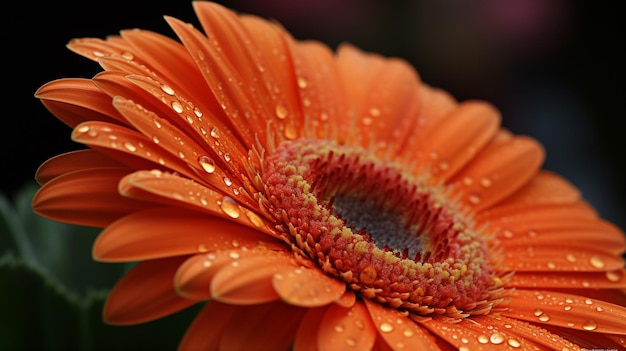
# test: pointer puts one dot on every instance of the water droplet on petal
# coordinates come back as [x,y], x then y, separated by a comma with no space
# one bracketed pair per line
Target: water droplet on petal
[167,89]
[514,343]
[177,106]
[281,111]
[590,325]
[613,276]
[227,181]
[544,318]
[496,338]
[474,199]
[408,333]
[130,147]
[386,327]
[229,206]
[483,339]
[339,328]
[485,182]
[596,262]
[302,83]
[207,164]
[350,342]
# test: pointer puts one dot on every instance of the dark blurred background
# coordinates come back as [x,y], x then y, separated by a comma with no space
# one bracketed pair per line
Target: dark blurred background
[555,68]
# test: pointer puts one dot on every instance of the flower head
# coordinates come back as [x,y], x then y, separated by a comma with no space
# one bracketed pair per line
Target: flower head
[319,200]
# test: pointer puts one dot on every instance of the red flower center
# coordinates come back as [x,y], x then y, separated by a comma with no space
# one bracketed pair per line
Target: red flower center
[390,236]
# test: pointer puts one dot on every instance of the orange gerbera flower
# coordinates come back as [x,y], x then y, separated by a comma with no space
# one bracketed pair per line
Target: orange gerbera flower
[321,201]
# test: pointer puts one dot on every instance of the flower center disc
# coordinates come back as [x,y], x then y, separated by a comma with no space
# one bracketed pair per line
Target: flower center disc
[389,236]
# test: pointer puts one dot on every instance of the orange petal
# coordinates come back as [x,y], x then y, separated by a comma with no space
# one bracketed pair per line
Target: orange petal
[498,171]
[126,146]
[74,100]
[155,233]
[559,258]
[194,276]
[398,330]
[85,197]
[527,331]
[169,189]
[501,218]
[145,293]
[344,328]
[480,333]
[270,326]
[347,299]
[306,336]
[249,279]
[321,91]
[385,102]
[73,161]
[615,279]
[215,172]
[591,234]
[455,140]
[544,187]
[568,311]
[307,287]
[169,60]
[207,328]
[95,48]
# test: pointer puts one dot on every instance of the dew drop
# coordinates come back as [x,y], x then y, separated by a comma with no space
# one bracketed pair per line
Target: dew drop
[596,261]
[590,325]
[474,199]
[544,318]
[359,324]
[127,55]
[613,276]
[229,206]
[567,308]
[386,327]
[496,338]
[350,342]
[374,111]
[538,312]
[167,89]
[514,343]
[281,111]
[290,131]
[483,339]
[155,139]
[507,233]
[570,257]
[202,248]
[467,181]
[408,333]
[177,106]
[588,302]
[485,182]
[227,181]
[227,157]
[339,328]
[599,309]
[234,255]
[464,348]
[197,112]
[302,83]
[130,147]
[254,218]
[551,265]
[207,164]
